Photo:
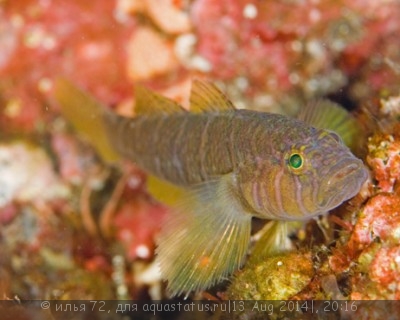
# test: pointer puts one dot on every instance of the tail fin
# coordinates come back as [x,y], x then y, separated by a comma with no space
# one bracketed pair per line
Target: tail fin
[86,114]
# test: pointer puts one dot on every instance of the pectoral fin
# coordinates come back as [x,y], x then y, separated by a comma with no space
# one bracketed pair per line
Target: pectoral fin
[273,239]
[205,239]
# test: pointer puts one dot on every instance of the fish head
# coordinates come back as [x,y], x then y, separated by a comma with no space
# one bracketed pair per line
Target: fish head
[322,173]
[307,177]
[341,174]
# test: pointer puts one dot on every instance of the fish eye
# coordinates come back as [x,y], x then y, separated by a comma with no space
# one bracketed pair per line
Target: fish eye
[295,161]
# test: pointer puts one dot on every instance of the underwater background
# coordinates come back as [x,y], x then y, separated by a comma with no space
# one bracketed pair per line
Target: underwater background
[74,227]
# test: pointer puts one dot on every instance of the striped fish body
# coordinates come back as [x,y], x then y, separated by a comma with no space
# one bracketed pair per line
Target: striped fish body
[187,149]
[184,148]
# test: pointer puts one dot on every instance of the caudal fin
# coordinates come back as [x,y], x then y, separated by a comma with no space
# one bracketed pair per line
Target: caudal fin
[85,113]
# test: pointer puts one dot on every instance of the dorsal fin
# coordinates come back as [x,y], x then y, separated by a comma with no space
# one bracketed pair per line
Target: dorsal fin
[205,96]
[149,102]
[325,114]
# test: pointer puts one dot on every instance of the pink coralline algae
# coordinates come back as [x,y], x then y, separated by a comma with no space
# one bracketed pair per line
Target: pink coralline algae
[374,240]
[385,268]
[379,219]
[73,159]
[377,273]
[136,223]
[46,39]
[278,46]
[384,159]
[230,39]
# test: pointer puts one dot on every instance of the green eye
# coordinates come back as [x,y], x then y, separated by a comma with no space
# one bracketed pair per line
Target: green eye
[296,161]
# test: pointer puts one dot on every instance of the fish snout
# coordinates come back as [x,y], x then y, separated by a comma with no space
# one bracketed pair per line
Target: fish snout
[342,182]
[344,171]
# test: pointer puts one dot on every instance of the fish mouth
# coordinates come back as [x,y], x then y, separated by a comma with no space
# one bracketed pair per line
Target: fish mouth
[342,182]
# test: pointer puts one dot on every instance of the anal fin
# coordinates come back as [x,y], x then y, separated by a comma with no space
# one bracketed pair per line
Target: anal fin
[165,192]
[205,239]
